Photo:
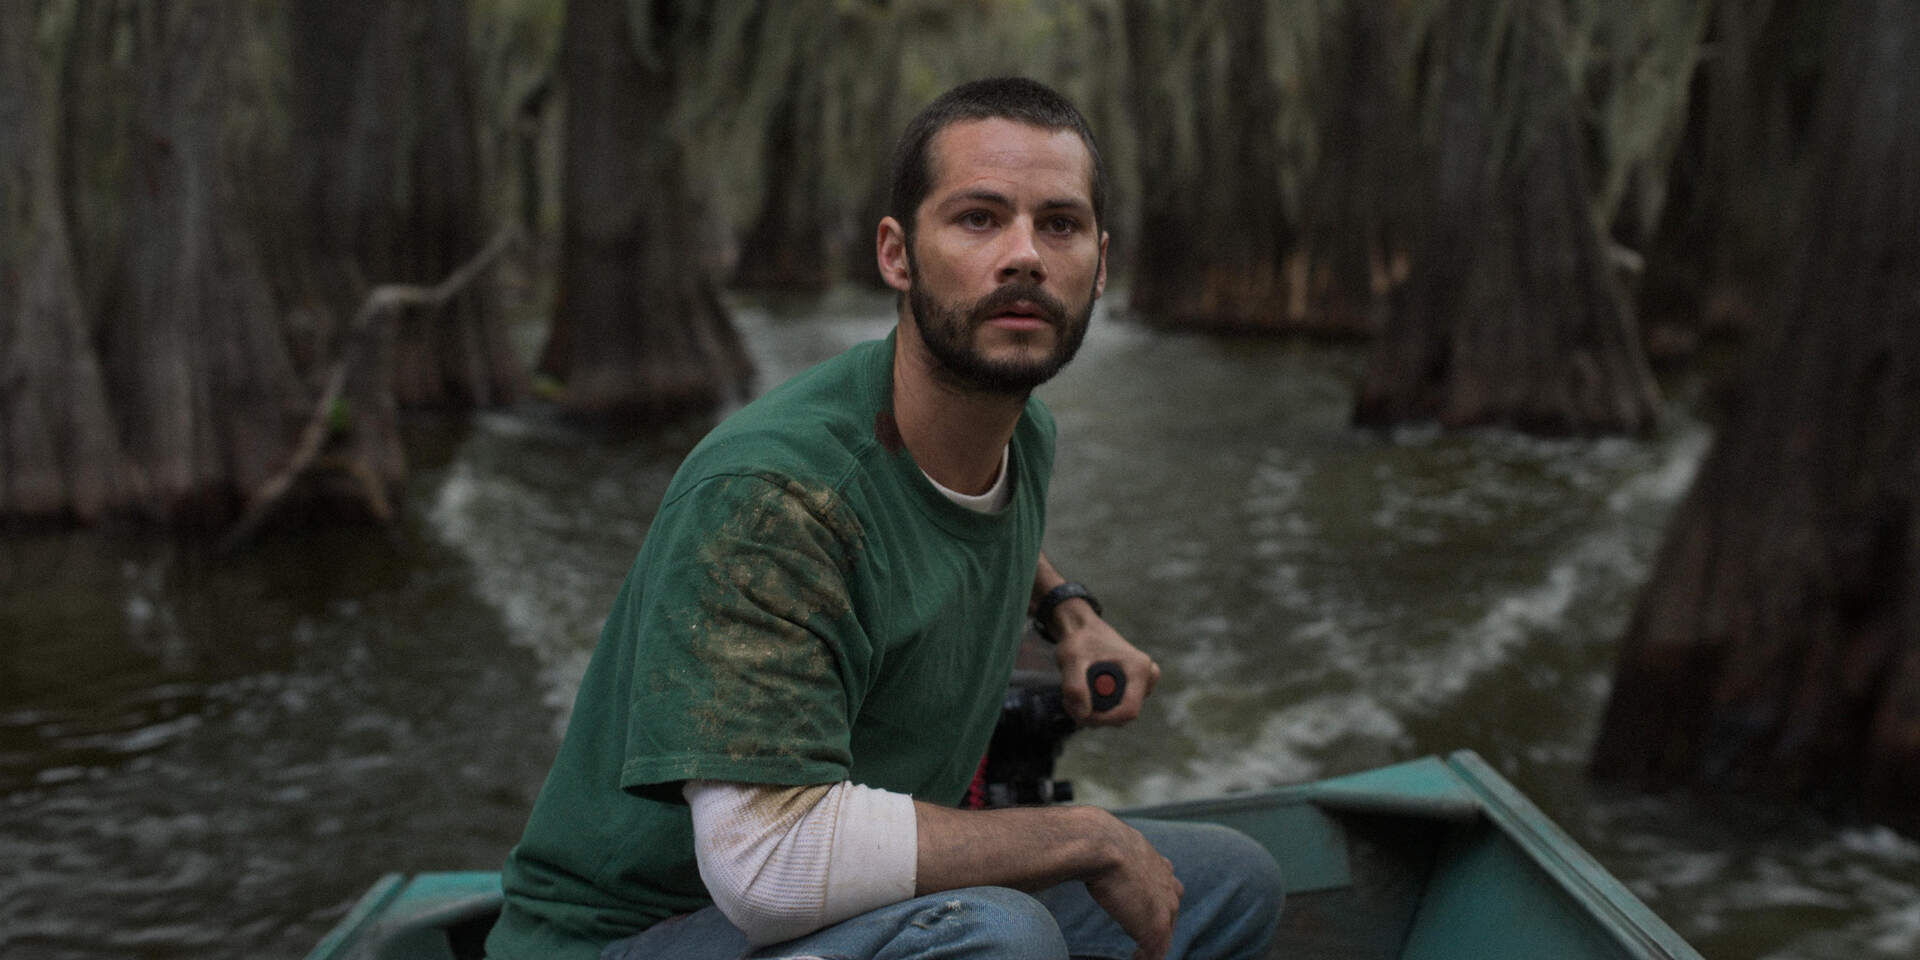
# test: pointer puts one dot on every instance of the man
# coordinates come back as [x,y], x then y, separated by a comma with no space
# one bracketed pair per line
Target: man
[800,675]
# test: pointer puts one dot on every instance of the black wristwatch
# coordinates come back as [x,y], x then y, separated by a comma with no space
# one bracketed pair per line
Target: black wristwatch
[1043,611]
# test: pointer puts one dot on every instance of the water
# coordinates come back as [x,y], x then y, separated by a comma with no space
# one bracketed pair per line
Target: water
[213,760]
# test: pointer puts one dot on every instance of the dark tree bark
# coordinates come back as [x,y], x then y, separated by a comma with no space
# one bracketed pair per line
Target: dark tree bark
[197,368]
[790,245]
[1510,314]
[1777,646]
[387,170]
[1713,256]
[1353,208]
[94,146]
[60,457]
[639,334]
[859,256]
[859,263]
[1215,240]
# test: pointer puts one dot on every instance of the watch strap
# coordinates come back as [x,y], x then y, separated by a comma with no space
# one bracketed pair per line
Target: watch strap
[1043,611]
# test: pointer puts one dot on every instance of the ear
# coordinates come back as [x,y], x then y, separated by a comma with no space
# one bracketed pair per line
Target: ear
[890,248]
[1100,277]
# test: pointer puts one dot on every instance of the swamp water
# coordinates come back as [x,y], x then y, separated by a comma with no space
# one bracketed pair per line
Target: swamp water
[214,760]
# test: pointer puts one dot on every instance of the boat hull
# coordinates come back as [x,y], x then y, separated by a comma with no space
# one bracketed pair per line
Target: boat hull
[1433,859]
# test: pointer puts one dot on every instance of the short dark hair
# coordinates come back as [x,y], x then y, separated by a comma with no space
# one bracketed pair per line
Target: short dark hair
[1006,98]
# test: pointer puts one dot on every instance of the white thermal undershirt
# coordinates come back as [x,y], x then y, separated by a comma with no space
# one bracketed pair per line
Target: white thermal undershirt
[782,862]
[993,501]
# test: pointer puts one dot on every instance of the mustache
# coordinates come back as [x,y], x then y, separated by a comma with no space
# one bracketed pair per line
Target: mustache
[1045,304]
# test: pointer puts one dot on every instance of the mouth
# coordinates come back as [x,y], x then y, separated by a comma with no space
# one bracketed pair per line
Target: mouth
[1022,315]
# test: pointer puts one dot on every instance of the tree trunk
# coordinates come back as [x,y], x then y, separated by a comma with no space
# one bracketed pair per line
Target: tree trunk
[97,106]
[870,195]
[1215,239]
[1510,314]
[790,245]
[639,334]
[1713,255]
[1777,646]
[1352,210]
[388,172]
[197,367]
[60,458]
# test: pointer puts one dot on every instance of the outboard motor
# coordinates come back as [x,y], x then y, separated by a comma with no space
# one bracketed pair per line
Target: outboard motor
[1033,728]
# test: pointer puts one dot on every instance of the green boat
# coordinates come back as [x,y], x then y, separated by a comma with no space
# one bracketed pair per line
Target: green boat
[1426,860]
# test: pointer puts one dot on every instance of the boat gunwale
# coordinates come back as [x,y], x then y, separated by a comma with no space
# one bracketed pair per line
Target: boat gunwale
[1461,791]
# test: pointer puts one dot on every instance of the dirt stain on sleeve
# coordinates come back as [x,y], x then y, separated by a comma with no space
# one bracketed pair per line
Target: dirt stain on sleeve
[772,600]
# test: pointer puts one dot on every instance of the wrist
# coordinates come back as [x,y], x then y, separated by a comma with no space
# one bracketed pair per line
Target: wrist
[1064,609]
[1104,850]
[1070,616]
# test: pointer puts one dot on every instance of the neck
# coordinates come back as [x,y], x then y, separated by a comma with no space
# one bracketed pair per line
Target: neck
[955,434]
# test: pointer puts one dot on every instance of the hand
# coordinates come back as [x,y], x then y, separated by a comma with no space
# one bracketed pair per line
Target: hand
[1086,639]
[1139,891]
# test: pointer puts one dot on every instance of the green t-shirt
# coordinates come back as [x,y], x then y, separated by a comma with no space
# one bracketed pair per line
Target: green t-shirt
[807,608]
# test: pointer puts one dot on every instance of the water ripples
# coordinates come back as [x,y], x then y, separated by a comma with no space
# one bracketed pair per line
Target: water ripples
[216,762]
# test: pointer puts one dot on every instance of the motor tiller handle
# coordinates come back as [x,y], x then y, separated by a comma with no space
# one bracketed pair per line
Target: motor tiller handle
[1108,684]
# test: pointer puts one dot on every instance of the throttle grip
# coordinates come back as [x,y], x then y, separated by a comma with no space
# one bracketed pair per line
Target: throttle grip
[1108,685]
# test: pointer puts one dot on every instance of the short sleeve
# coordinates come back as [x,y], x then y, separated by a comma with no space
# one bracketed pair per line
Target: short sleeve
[744,636]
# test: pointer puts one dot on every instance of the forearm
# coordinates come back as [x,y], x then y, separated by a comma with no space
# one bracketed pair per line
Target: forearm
[1025,848]
[1045,578]
[1070,615]
[1032,848]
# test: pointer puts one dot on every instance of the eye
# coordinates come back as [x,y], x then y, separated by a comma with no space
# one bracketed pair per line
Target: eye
[976,219]
[1062,224]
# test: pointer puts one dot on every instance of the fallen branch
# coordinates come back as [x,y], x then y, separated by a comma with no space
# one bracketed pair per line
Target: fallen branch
[382,303]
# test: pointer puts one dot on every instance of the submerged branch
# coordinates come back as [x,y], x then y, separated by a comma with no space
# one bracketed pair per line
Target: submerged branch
[383,303]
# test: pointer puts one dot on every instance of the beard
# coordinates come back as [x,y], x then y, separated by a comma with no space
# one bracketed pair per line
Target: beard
[949,330]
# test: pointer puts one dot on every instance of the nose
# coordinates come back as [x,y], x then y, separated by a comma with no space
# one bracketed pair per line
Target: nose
[1021,259]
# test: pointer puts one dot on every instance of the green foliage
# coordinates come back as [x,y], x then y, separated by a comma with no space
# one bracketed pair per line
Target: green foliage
[859,66]
[1631,65]
[54,29]
[255,105]
[512,45]
[736,70]
[340,416]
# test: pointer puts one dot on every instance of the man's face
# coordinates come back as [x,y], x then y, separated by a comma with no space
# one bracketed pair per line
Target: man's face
[1006,259]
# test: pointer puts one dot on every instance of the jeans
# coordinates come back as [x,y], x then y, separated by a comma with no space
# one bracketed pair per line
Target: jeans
[1230,912]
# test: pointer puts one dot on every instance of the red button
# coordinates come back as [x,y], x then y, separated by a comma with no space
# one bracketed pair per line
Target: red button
[1103,685]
